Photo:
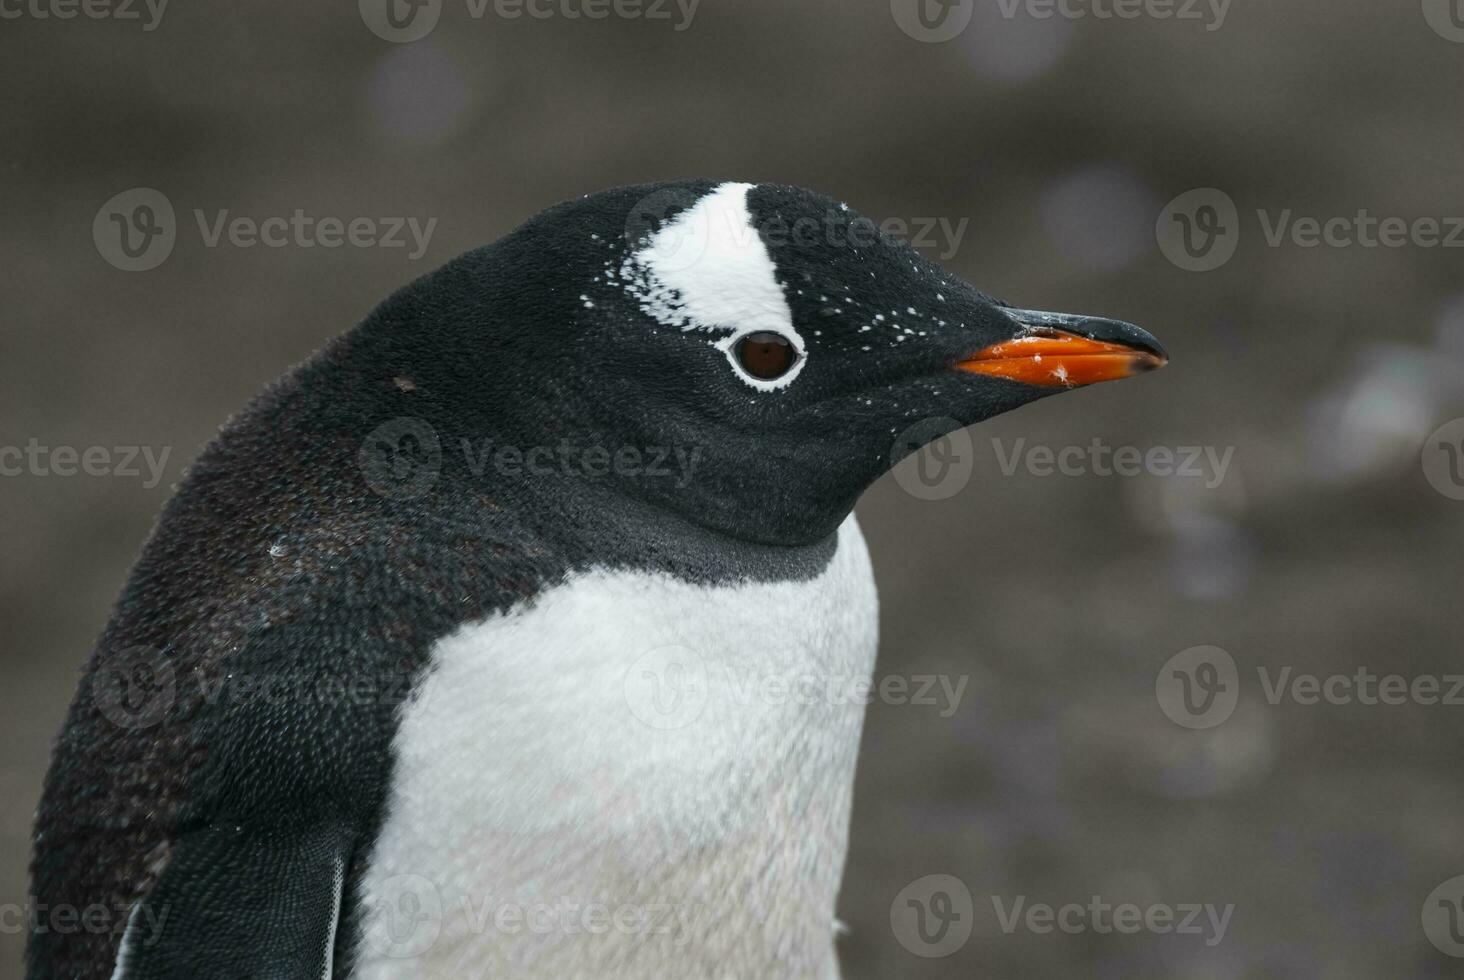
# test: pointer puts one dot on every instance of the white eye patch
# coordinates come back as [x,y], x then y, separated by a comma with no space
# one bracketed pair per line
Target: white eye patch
[708,270]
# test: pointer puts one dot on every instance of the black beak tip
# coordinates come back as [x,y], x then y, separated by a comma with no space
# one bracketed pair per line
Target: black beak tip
[1126,335]
[1099,329]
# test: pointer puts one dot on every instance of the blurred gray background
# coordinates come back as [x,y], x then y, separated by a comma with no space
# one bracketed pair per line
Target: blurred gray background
[1058,143]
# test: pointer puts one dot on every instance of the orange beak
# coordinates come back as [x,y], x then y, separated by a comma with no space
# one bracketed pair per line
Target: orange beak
[1050,357]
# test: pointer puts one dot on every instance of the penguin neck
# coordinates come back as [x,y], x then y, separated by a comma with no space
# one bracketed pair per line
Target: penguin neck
[594,524]
[646,534]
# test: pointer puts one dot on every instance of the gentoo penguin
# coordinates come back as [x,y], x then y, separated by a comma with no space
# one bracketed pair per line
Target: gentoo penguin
[526,630]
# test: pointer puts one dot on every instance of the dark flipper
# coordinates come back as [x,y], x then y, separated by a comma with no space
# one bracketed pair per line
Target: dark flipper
[260,903]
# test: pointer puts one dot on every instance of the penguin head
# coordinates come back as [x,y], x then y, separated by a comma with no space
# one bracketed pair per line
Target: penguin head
[773,348]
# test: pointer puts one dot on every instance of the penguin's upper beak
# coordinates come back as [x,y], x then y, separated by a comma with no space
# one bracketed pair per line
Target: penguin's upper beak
[1060,350]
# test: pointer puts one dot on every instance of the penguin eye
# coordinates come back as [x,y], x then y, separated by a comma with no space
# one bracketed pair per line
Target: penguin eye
[765,355]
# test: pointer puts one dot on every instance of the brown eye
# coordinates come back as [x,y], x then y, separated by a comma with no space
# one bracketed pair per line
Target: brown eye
[766,355]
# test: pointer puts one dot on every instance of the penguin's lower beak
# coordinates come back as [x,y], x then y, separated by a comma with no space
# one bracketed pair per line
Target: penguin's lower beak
[1060,350]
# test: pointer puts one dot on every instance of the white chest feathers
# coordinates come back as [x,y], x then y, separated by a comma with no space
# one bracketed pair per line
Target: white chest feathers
[632,777]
